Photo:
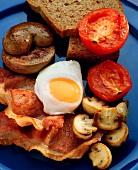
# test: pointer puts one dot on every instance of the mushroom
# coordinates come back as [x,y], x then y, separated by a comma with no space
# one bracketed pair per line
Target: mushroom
[27,47]
[19,38]
[93,105]
[122,109]
[83,126]
[107,119]
[101,155]
[118,136]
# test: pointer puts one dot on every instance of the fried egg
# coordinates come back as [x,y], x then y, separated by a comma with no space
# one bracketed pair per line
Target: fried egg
[60,87]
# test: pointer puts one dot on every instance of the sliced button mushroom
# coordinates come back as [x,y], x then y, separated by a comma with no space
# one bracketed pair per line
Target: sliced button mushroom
[107,119]
[122,109]
[93,105]
[83,126]
[101,155]
[118,136]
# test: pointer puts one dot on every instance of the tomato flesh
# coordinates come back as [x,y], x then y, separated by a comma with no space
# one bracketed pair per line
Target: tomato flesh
[109,81]
[103,31]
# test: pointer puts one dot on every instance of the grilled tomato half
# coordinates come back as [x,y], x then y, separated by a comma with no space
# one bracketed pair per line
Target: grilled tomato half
[103,31]
[109,81]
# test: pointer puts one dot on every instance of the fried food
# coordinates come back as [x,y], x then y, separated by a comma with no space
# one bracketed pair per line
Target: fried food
[19,38]
[57,144]
[101,155]
[118,136]
[83,126]
[28,47]
[17,93]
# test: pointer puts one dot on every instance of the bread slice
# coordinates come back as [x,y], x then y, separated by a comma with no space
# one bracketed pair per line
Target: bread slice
[77,51]
[64,15]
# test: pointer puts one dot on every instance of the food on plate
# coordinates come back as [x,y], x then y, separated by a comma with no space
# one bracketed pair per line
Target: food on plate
[118,136]
[21,108]
[30,64]
[109,81]
[83,126]
[49,113]
[103,31]
[77,51]
[92,105]
[122,109]
[111,119]
[64,16]
[28,47]
[101,155]
[8,80]
[56,136]
[57,144]
[107,119]
[60,88]
[17,93]
[19,38]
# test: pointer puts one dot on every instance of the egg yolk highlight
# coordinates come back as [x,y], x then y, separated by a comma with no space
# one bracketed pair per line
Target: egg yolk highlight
[64,89]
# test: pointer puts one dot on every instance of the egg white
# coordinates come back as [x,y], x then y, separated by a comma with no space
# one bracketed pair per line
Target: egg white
[66,69]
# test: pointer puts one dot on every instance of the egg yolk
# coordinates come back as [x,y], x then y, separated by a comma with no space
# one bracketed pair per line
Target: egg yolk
[64,89]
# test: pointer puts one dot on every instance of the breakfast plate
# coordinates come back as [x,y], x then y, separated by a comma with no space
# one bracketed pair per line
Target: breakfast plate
[13,12]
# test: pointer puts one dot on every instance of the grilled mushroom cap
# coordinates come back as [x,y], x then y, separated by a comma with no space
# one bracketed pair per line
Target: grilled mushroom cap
[27,47]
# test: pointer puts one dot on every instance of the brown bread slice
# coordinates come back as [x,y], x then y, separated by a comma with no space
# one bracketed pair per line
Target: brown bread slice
[77,51]
[64,15]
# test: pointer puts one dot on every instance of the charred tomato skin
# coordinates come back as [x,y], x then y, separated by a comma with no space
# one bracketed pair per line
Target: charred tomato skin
[109,80]
[103,31]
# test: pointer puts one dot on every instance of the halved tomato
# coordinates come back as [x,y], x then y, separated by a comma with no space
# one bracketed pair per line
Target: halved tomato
[103,31]
[109,81]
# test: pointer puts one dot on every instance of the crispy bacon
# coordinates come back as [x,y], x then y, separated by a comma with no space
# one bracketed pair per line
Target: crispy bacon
[24,123]
[19,82]
[54,143]
[17,92]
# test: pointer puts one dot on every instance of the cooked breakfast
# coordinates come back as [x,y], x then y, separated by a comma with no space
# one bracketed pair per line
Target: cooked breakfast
[60,135]
[51,113]
[27,47]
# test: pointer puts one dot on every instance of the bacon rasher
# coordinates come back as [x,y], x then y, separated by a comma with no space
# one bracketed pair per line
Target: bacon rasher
[24,123]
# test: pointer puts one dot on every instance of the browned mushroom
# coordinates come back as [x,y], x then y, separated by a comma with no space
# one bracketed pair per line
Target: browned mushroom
[27,47]
[19,38]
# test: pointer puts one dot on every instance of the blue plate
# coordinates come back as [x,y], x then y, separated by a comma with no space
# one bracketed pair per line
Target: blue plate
[13,12]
